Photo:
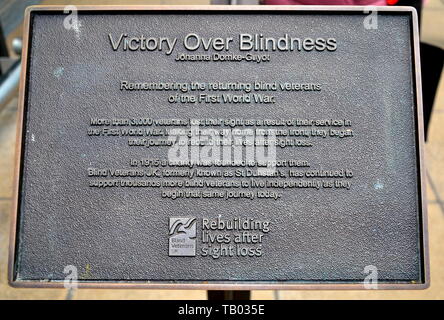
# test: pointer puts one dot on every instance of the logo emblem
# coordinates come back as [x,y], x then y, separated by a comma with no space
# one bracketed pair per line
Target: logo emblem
[182,237]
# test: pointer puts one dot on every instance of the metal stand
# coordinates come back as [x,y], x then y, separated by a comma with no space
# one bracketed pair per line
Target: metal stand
[228,295]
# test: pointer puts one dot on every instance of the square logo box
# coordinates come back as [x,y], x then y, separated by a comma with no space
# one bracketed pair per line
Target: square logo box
[182,237]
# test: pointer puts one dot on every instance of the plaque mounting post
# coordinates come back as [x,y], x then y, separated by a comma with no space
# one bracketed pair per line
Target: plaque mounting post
[229,294]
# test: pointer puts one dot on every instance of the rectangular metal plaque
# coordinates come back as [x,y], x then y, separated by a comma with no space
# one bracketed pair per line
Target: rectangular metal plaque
[220,147]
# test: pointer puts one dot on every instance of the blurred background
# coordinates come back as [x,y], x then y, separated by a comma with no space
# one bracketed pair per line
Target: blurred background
[432,38]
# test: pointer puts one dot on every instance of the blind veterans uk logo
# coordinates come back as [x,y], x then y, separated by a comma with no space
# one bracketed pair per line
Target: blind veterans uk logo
[182,237]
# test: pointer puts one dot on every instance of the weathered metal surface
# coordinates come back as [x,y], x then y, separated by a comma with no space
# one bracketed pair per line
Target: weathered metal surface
[319,236]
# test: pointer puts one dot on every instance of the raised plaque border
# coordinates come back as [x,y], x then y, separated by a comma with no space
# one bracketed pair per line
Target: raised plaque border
[222,285]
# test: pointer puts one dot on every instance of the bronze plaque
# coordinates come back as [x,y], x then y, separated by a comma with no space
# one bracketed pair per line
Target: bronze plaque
[220,147]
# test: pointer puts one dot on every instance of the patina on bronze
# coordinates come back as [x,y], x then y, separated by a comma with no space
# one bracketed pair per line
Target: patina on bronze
[103,87]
